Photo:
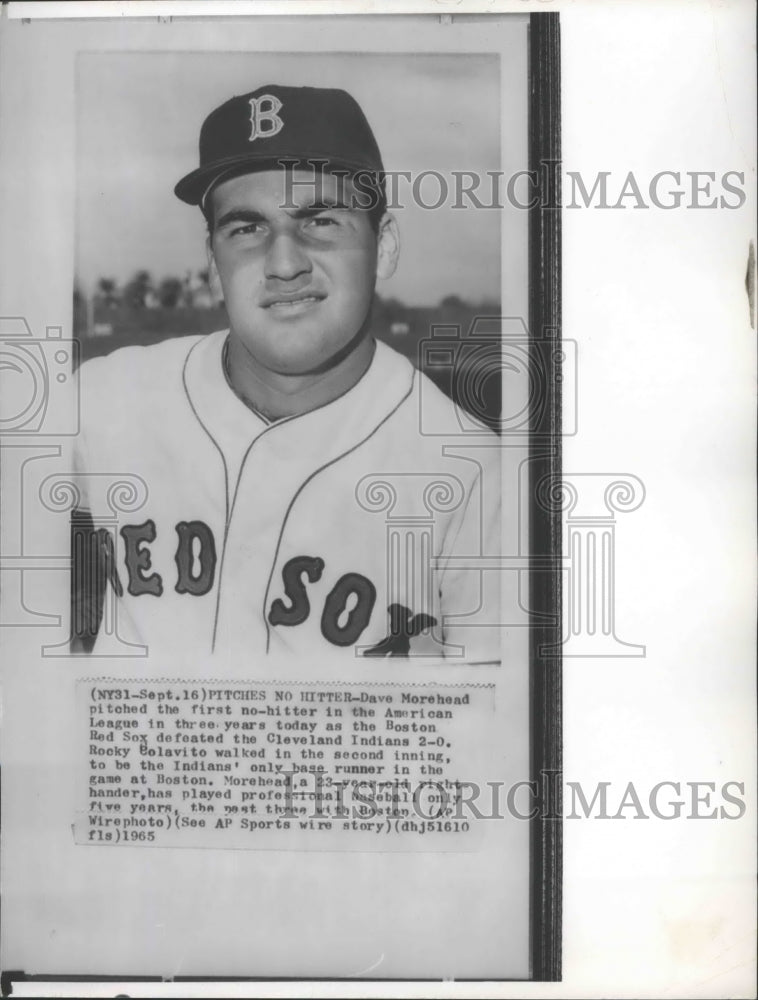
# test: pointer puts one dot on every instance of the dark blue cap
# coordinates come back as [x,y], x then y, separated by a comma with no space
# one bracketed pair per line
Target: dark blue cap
[273,124]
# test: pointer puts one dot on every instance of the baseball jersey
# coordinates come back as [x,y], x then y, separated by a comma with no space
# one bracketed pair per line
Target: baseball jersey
[360,528]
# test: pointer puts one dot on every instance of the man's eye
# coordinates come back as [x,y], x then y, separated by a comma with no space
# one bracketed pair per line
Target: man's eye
[320,221]
[248,229]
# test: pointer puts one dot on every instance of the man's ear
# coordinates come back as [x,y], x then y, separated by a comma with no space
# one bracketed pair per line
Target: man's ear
[388,246]
[213,279]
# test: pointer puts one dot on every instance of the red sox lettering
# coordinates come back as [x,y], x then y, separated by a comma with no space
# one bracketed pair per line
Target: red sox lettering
[346,611]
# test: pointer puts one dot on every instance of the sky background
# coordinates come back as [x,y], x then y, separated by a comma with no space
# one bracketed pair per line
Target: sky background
[138,124]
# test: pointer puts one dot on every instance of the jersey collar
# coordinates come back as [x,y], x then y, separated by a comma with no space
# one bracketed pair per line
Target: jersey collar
[320,434]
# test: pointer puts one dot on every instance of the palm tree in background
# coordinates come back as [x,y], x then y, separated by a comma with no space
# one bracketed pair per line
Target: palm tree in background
[169,292]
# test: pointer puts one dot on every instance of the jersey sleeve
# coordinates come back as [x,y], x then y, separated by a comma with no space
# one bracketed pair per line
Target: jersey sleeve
[87,580]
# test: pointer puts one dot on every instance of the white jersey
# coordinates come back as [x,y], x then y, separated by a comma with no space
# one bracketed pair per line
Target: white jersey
[354,529]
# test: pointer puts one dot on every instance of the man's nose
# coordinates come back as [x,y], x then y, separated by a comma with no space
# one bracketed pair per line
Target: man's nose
[286,258]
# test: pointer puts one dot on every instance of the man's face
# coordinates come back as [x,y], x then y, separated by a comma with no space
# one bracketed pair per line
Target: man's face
[297,281]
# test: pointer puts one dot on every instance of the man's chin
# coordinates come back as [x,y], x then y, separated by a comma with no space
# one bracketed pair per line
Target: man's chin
[298,348]
[310,362]
[303,366]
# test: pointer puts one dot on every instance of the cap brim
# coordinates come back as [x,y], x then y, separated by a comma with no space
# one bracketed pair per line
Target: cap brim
[192,188]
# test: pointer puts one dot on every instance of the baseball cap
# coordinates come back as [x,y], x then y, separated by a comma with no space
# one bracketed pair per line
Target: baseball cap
[276,123]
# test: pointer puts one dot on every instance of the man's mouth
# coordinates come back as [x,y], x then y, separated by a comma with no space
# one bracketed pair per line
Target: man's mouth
[290,304]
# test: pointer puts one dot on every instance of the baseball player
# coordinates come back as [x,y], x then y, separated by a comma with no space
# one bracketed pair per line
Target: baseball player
[294,498]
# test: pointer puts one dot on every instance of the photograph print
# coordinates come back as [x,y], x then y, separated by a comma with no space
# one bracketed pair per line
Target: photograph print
[278,273]
[301,695]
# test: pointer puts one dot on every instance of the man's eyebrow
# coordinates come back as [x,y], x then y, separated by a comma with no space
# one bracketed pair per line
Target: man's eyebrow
[239,215]
[247,215]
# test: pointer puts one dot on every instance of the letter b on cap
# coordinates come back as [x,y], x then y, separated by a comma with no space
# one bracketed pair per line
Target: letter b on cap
[264,119]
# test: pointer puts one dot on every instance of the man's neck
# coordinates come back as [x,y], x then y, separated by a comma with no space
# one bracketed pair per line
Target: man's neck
[274,395]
